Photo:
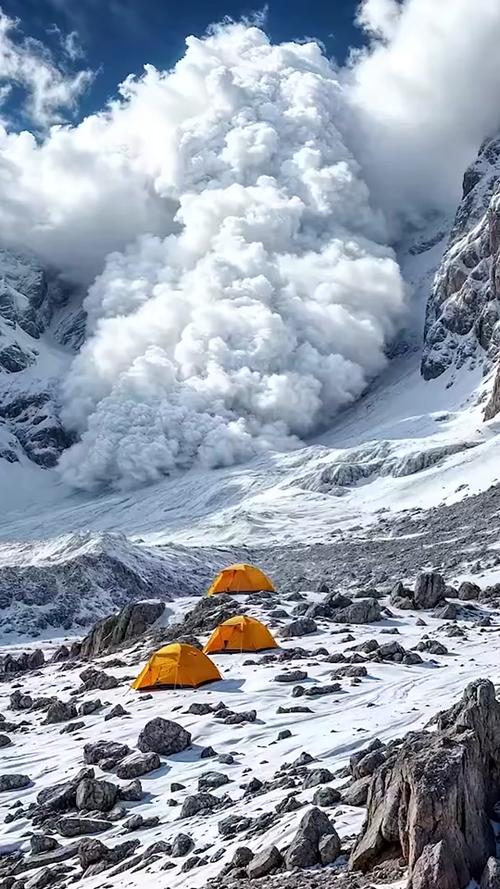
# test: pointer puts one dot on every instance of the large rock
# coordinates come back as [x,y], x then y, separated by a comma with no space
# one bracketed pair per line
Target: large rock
[137,764]
[13,782]
[468,590]
[434,796]
[362,611]
[198,802]
[163,736]
[60,711]
[96,795]
[117,629]
[97,752]
[70,826]
[305,848]
[266,862]
[62,796]
[98,679]
[303,626]
[430,590]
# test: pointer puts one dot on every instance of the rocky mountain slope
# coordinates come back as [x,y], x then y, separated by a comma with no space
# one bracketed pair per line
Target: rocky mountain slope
[461,326]
[361,753]
[40,325]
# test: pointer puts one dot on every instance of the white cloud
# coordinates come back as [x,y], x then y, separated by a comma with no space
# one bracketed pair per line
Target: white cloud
[49,91]
[426,94]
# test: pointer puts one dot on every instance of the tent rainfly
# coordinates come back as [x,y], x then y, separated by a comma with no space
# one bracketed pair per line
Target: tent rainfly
[240,578]
[240,633]
[177,666]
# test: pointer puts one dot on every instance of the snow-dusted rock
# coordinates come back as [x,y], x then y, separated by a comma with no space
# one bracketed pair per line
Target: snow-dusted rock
[163,736]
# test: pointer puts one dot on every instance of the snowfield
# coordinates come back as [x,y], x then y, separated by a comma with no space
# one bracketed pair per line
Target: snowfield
[389,702]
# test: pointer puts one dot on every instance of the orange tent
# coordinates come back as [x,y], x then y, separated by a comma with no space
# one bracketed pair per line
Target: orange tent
[240,578]
[240,633]
[177,666]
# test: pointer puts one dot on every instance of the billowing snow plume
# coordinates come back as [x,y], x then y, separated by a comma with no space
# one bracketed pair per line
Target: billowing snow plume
[269,308]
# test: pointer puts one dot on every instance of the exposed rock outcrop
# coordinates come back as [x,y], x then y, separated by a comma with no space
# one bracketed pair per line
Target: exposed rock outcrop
[431,802]
[111,632]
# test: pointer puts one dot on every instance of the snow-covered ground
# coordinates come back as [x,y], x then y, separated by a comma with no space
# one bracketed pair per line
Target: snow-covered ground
[392,700]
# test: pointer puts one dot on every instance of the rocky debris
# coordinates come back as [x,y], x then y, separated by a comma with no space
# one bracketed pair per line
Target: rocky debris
[206,615]
[431,646]
[95,857]
[362,611]
[198,709]
[163,736]
[292,676]
[447,611]
[5,741]
[138,821]
[234,824]
[61,654]
[326,797]
[71,727]
[388,651]
[28,660]
[136,764]
[62,796]
[357,792]
[116,712]
[430,589]
[350,671]
[313,777]
[182,845]
[431,802]
[212,780]
[40,842]
[229,717]
[20,701]
[315,691]
[97,679]
[13,782]
[60,711]
[316,842]
[199,802]
[72,826]
[267,862]
[88,707]
[468,591]
[303,626]
[96,795]
[131,792]
[105,753]
[116,630]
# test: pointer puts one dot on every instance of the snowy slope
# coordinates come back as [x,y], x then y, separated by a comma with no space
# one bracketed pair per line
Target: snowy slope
[390,701]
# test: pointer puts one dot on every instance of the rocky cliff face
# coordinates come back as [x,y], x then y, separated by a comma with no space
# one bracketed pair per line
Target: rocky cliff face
[41,323]
[462,321]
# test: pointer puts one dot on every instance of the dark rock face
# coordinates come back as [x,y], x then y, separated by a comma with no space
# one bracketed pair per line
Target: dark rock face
[430,590]
[462,312]
[13,782]
[303,626]
[113,631]
[309,845]
[137,764]
[96,795]
[266,862]
[430,802]
[163,736]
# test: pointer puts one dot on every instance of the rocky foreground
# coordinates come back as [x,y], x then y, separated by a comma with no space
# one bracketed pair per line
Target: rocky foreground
[364,752]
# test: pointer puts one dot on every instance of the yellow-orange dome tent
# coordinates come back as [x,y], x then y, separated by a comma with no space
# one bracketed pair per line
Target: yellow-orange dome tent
[177,666]
[240,633]
[240,579]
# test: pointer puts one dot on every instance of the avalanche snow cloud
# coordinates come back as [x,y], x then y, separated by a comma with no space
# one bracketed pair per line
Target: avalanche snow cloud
[268,308]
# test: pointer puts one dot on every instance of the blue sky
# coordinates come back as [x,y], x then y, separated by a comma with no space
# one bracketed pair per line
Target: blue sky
[120,36]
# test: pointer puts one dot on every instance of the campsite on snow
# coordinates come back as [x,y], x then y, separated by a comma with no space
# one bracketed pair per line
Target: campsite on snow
[250,444]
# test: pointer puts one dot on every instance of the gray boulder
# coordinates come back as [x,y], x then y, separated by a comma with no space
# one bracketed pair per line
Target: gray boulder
[13,782]
[97,679]
[326,797]
[362,611]
[181,845]
[430,590]
[61,797]
[137,764]
[198,802]
[212,780]
[163,736]
[41,842]
[131,792]
[357,792]
[304,850]
[117,629]
[96,795]
[267,862]
[70,826]
[97,752]
[88,707]
[313,777]
[303,626]
[60,711]
[468,591]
